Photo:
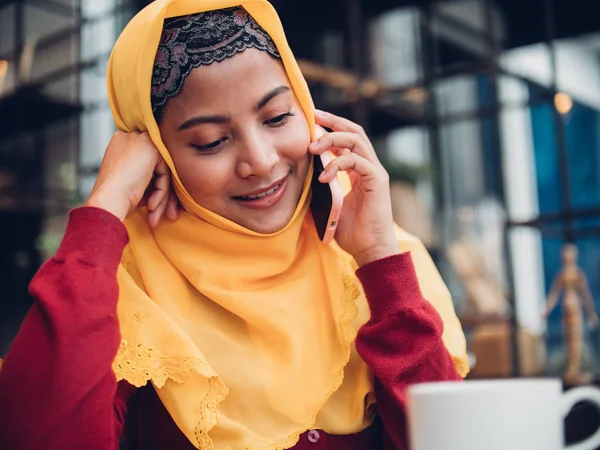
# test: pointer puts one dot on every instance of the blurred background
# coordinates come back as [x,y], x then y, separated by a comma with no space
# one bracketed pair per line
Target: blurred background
[486,114]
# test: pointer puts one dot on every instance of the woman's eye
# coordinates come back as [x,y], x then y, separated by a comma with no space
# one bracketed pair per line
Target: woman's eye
[279,120]
[213,147]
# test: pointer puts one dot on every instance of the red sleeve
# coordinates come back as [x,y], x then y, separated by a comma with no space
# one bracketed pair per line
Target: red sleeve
[57,387]
[401,343]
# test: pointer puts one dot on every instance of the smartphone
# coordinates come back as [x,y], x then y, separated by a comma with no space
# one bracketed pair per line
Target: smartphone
[327,198]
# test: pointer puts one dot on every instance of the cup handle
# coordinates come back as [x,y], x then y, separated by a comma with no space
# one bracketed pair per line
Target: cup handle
[576,395]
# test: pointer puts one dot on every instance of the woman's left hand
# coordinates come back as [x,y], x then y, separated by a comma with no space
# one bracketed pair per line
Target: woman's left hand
[366,225]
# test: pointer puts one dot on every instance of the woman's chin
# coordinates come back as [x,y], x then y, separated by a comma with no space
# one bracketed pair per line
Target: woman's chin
[269,224]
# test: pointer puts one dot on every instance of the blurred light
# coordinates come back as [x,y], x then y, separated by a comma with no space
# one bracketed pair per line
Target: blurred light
[27,59]
[3,70]
[563,103]
[418,95]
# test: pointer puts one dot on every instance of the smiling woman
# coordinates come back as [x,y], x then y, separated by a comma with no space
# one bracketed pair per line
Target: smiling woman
[191,303]
[241,151]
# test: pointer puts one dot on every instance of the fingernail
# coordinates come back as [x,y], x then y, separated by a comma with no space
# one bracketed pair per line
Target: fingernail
[322,176]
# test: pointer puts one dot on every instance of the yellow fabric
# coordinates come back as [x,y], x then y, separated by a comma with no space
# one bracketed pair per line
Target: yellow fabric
[247,338]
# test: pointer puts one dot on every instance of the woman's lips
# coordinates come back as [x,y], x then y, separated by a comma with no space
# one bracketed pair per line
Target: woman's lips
[265,198]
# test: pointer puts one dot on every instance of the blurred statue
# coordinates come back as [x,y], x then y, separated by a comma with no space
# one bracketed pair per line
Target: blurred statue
[476,257]
[483,296]
[573,284]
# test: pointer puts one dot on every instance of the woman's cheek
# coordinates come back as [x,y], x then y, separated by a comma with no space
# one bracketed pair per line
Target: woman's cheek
[297,146]
[206,176]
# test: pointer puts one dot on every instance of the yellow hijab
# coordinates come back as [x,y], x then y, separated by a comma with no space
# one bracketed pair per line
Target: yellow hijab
[248,339]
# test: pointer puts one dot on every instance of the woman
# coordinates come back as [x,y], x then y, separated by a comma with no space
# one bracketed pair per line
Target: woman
[235,326]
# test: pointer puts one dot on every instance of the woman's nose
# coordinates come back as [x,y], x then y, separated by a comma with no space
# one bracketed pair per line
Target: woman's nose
[258,158]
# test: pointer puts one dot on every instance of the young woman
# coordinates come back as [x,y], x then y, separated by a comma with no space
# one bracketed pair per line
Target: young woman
[191,303]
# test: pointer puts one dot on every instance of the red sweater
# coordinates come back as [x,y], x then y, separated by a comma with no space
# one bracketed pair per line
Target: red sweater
[58,391]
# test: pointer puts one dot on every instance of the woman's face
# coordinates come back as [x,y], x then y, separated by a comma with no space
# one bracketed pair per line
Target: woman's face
[239,139]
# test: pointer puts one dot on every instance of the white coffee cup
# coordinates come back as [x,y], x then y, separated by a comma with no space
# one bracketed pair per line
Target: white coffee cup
[520,414]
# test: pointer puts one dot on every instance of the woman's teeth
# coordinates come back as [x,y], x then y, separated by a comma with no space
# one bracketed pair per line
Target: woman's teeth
[264,194]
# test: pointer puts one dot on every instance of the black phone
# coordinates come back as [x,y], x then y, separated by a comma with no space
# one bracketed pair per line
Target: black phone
[327,198]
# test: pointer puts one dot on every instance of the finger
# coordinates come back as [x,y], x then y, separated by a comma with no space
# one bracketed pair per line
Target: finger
[361,166]
[161,185]
[342,139]
[154,216]
[340,151]
[172,207]
[338,123]
[154,198]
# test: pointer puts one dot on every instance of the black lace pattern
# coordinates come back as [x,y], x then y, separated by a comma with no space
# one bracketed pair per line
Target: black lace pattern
[198,40]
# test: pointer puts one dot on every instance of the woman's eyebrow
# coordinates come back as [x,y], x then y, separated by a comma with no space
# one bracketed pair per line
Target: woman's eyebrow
[199,120]
[270,95]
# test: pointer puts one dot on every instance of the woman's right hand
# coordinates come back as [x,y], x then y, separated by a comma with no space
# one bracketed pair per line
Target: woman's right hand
[133,174]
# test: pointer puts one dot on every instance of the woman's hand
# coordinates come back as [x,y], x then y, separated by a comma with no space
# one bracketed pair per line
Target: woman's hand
[133,174]
[366,226]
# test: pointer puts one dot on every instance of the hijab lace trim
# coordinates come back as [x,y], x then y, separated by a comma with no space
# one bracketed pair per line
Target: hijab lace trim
[198,40]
